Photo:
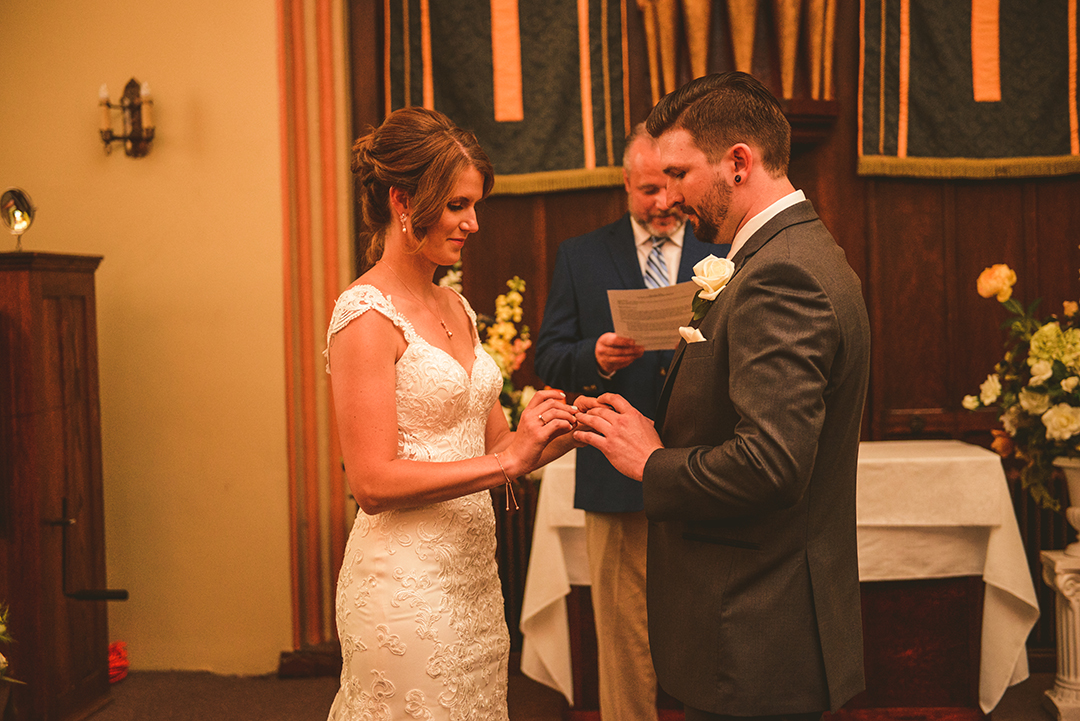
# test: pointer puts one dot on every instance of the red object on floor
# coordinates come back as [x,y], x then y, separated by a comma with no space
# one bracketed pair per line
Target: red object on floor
[118,661]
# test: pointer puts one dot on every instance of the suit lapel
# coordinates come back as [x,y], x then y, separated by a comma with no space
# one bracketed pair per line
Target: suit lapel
[623,252]
[686,262]
[801,212]
[665,394]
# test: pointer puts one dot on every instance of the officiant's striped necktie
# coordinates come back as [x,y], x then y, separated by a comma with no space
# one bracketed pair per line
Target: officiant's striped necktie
[656,272]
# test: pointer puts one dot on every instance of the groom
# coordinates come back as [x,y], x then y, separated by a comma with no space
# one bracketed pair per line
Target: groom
[749,470]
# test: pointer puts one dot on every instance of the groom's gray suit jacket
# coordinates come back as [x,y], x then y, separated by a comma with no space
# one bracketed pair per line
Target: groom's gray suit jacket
[753,580]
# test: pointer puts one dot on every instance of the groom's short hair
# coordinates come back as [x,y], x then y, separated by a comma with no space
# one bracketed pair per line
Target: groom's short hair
[722,109]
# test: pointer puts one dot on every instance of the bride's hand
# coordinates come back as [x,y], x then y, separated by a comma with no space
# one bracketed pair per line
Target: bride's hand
[547,417]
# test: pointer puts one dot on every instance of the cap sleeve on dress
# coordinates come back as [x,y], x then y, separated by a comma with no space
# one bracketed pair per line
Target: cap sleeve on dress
[356,301]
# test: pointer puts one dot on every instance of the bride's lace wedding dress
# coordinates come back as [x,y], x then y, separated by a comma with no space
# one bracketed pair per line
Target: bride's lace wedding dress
[419,604]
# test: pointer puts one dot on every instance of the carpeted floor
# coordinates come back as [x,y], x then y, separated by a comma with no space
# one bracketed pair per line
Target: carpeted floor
[201,696]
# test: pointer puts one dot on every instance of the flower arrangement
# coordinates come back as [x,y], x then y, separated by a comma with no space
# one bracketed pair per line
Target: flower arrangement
[503,340]
[1034,387]
[5,637]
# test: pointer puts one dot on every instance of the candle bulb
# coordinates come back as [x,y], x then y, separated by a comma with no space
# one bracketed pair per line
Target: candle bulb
[103,101]
[147,106]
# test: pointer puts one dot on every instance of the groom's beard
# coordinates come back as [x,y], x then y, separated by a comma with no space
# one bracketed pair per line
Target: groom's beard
[710,213]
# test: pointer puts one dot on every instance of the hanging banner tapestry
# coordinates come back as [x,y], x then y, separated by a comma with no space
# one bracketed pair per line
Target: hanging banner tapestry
[972,89]
[541,83]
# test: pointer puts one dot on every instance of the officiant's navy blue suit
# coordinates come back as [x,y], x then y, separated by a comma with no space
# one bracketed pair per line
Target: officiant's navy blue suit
[576,315]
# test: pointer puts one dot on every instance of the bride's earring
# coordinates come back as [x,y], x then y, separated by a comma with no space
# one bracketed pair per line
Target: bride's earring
[404,229]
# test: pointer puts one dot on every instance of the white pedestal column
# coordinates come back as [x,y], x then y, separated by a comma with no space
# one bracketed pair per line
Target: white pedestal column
[1062,573]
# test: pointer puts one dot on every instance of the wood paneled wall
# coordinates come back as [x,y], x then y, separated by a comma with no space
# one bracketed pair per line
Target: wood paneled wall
[918,246]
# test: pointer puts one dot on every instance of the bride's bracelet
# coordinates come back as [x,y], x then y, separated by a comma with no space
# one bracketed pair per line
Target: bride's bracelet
[509,486]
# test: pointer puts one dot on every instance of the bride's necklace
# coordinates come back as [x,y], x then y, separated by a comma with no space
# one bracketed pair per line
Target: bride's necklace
[449,333]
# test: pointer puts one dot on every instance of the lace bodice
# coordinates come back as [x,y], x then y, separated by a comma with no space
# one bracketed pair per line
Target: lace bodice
[441,409]
[419,603]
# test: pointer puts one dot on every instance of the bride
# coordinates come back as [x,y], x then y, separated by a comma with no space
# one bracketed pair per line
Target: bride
[419,604]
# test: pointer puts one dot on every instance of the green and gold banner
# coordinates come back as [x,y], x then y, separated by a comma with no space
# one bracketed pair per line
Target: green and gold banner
[541,83]
[973,89]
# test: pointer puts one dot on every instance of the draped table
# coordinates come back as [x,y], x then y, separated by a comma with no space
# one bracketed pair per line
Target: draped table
[926,509]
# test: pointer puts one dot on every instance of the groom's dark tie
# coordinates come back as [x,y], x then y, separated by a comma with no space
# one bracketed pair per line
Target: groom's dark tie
[656,271]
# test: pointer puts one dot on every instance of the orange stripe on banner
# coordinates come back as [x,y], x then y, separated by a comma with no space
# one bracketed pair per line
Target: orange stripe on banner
[881,85]
[406,54]
[287,290]
[905,78]
[862,73]
[386,57]
[588,136]
[425,55]
[312,617]
[605,62]
[328,155]
[986,50]
[625,74]
[506,61]
[1074,125]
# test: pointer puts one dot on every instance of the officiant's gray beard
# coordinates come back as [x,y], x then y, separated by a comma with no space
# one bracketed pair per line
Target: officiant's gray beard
[659,232]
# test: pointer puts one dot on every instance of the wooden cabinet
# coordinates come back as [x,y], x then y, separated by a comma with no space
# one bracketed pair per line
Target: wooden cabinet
[51,506]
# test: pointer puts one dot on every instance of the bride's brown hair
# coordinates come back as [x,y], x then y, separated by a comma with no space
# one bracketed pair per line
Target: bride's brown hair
[421,152]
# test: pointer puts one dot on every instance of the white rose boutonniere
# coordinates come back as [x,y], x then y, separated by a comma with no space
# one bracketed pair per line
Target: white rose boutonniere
[712,274]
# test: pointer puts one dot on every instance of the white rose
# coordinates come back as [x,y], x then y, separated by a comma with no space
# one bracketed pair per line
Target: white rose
[970,402]
[690,335]
[712,274]
[1062,422]
[990,389]
[1069,384]
[1041,370]
[1034,403]
[1010,420]
[527,394]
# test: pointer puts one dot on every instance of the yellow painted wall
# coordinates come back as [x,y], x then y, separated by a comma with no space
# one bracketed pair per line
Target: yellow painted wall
[189,304]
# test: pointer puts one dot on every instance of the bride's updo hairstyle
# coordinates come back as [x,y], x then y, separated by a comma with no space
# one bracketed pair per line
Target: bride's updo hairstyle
[421,152]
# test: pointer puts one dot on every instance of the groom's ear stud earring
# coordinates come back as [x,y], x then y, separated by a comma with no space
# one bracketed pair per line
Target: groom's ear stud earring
[738,179]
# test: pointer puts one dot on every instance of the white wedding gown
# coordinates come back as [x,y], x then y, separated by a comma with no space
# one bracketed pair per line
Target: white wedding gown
[419,603]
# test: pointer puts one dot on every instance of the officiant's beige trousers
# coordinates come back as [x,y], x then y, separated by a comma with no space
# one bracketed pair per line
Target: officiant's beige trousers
[616,545]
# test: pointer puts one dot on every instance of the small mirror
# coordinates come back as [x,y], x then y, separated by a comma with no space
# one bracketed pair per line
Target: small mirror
[17,211]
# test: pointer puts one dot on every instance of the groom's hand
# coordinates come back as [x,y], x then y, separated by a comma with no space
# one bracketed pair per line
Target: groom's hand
[615,428]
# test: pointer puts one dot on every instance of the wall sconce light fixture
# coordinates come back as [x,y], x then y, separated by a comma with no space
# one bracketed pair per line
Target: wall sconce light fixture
[17,212]
[136,109]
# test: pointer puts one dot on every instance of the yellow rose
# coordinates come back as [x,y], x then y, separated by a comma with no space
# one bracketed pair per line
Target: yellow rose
[1002,443]
[996,280]
[712,274]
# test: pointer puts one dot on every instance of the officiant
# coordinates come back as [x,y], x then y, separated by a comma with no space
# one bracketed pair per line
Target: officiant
[577,351]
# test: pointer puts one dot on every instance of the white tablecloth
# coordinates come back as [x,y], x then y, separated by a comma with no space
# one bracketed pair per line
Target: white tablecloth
[926,509]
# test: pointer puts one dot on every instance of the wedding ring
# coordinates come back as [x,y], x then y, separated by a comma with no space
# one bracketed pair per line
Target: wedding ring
[541,417]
